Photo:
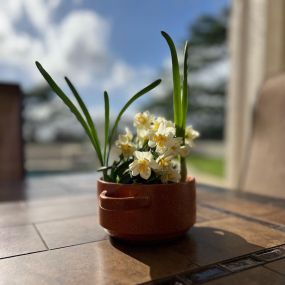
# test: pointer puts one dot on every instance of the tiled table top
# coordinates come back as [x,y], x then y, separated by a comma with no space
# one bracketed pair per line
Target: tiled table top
[49,234]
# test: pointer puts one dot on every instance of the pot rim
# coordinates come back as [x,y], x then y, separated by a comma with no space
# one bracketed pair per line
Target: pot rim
[190,179]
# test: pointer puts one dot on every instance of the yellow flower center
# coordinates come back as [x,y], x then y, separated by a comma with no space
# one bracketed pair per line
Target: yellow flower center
[155,126]
[143,165]
[142,120]
[160,140]
[127,149]
[163,162]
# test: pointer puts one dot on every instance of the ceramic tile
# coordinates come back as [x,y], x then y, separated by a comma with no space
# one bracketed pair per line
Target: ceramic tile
[229,202]
[277,216]
[30,189]
[278,266]
[206,214]
[221,239]
[251,232]
[43,188]
[93,263]
[71,232]
[206,245]
[49,213]
[67,199]
[64,209]
[19,240]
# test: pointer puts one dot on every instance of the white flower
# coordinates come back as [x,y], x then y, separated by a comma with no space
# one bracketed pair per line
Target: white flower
[174,146]
[171,175]
[157,121]
[184,150]
[163,162]
[143,120]
[191,135]
[142,136]
[127,136]
[124,144]
[142,164]
[127,149]
[161,138]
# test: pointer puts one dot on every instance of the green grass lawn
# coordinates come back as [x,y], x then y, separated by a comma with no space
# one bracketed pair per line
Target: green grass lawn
[207,165]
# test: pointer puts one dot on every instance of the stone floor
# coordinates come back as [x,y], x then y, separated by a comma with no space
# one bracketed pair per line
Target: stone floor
[49,234]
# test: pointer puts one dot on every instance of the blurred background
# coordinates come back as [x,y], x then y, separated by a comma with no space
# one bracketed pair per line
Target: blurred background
[116,46]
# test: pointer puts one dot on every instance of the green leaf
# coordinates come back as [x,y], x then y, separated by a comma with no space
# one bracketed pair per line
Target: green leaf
[185,90]
[177,108]
[107,123]
[68,103]
[88,118]
[134,98]
[103,168]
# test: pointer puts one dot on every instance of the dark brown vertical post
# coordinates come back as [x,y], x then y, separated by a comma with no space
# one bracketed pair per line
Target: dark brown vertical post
[11,142]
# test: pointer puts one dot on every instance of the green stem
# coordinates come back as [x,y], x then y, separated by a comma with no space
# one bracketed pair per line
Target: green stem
[105,175]
[183,170]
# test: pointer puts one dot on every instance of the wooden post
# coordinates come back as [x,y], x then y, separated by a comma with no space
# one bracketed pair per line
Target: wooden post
[11,142]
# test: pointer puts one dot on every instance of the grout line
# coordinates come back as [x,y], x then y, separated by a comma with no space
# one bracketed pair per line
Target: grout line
[41,237]
[195,270]
[81,243]
[51,249]
[248,218]
[22,254]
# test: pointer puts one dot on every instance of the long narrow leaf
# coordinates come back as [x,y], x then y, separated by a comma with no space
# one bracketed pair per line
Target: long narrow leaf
[67,102]
[185,90]
[87,116]
[107,123]
[134,98]
[177,109]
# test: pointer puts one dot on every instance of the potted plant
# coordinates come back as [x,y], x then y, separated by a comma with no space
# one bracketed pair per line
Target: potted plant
[145,194]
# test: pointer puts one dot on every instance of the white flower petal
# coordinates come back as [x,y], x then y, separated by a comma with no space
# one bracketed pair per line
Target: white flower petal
[153,164]
[151,144]
[137,154]
[146,174]
[135,172]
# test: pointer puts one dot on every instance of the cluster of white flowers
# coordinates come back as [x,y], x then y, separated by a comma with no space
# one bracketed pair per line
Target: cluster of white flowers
[155,147]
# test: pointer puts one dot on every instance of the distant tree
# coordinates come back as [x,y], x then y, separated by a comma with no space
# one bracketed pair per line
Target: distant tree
[38,94]
[48,120]
[208,50]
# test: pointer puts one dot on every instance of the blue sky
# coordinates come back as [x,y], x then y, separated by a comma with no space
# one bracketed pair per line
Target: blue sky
[114,45]
[136,25]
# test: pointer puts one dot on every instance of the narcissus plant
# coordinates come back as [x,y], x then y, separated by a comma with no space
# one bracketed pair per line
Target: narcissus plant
[157,151]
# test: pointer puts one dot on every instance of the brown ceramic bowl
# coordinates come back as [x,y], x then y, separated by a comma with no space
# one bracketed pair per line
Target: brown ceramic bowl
[141,212]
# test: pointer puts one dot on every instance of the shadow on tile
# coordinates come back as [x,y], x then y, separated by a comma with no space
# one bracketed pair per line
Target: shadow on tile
[201,246]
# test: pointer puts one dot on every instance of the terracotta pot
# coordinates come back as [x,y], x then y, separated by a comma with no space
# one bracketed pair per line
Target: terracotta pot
[141,212]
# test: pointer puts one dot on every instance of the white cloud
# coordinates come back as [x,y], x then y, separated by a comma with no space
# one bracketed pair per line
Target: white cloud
[38,12]
[76,46]
[11,9]
[211,75]
[128,79]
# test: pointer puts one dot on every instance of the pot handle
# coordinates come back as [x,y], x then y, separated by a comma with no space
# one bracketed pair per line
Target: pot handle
[123,203]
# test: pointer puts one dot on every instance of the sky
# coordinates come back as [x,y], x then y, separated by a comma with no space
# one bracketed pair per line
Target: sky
[100,45]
